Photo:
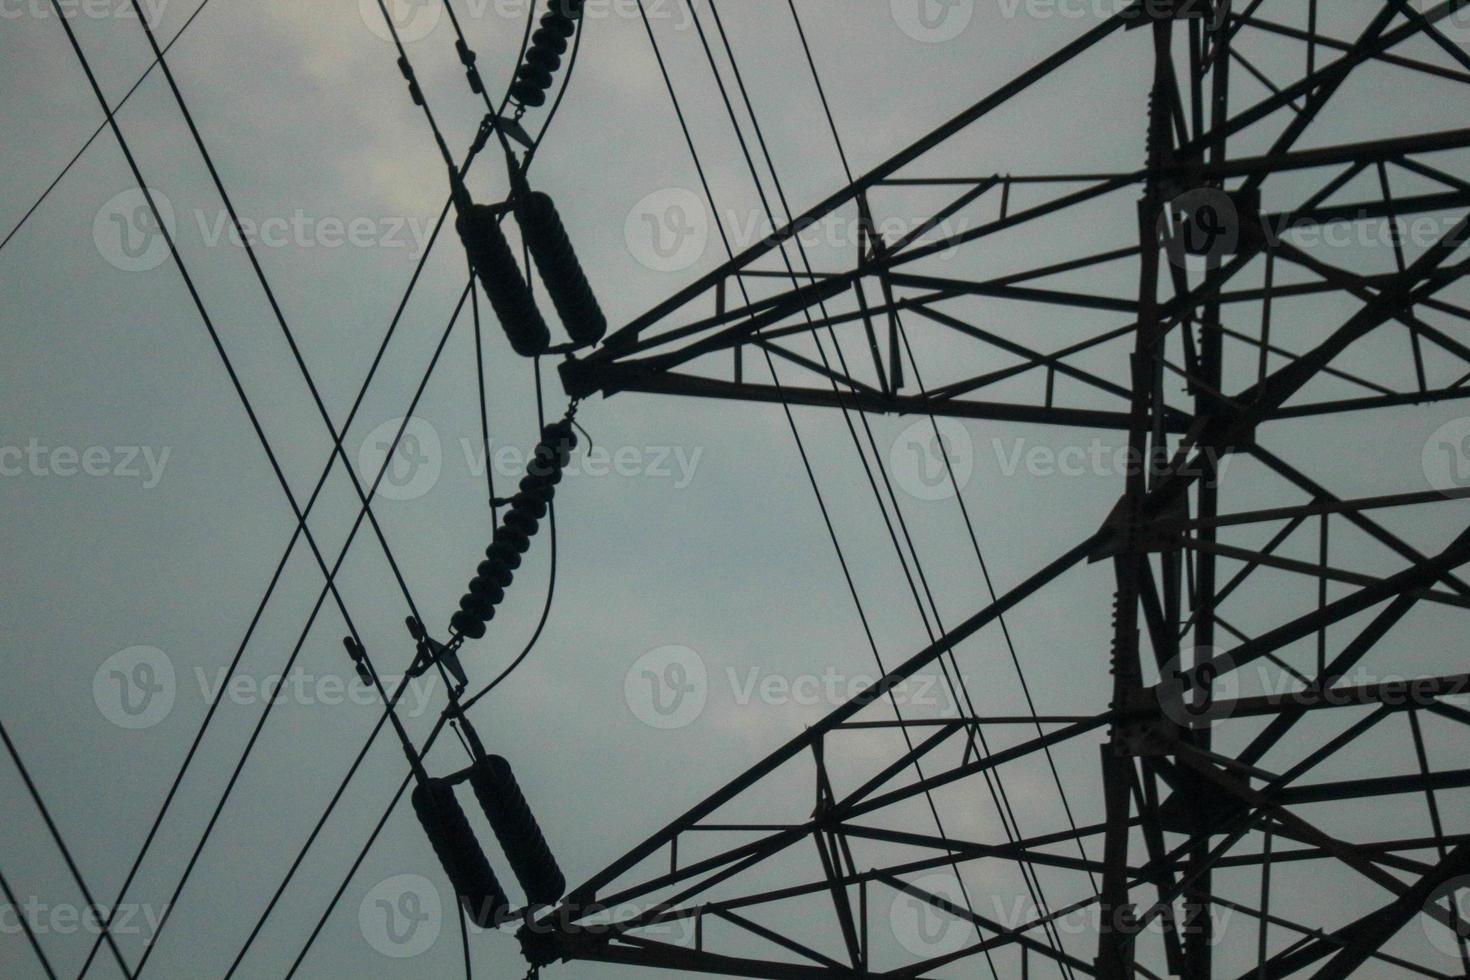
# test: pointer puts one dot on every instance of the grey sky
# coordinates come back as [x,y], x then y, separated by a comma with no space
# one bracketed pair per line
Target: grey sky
[709,538]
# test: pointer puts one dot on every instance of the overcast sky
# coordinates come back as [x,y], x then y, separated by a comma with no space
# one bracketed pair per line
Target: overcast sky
[142,521]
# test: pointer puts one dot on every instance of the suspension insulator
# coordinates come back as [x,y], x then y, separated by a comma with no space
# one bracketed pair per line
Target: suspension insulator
[510,297]
[551,247]
[543,57]
[466,625]
[516,828]
[463,858]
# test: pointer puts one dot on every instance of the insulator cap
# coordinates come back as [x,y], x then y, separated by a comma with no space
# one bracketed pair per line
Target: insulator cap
[526,503]
[527,94]
[518,540]
[521,521]
[516,828]
[535,486]
[476,606]
[534,75]
[504,555]
[544,58]
[464,861]
[467,625]
[559,23]
[549,41]
[487,589]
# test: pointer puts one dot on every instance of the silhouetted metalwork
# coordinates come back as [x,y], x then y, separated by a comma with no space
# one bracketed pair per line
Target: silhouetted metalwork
[1169,811]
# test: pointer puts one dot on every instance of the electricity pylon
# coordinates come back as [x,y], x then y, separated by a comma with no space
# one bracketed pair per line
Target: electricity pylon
[1204,306]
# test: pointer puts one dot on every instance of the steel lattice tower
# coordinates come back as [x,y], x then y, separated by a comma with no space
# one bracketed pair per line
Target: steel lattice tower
[1187,368]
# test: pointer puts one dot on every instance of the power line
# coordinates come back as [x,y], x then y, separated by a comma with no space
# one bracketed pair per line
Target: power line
[60,842]
[102,126]
[25,925]
[944,453]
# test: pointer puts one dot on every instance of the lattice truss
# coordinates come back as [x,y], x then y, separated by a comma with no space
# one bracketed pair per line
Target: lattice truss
[1235,293]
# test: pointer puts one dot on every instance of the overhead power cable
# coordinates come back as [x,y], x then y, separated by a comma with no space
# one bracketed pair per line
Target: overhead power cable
[944,455]
[1000,799]
[101,126]
[60,842]
[505,673]
[25,925]
[238,386]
